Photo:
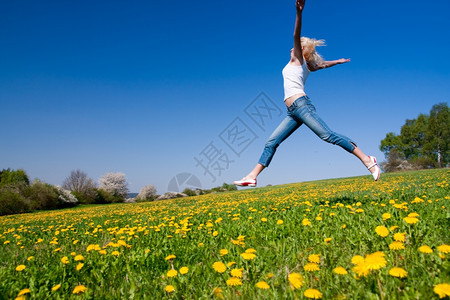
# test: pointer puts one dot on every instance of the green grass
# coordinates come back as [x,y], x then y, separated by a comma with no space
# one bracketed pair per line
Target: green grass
[195,229]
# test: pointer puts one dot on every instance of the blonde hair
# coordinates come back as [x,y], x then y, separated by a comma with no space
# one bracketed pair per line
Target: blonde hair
[309,50]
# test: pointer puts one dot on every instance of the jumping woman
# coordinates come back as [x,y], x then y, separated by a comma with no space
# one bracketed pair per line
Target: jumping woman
[300,110]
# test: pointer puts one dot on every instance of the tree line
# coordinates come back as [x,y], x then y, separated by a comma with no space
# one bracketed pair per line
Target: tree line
[423,142]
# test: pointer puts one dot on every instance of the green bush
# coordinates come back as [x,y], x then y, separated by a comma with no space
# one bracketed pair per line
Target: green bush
[11,177]
[11,202]
[189,192]
[43,196]
[104,197]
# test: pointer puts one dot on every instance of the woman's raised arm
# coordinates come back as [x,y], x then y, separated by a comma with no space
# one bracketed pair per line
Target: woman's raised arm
[298,53]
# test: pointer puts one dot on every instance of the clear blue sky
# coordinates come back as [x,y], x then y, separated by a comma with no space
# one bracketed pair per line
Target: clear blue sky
[143,87]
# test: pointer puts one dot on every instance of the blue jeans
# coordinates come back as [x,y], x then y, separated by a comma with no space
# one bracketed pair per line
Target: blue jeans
[302,111]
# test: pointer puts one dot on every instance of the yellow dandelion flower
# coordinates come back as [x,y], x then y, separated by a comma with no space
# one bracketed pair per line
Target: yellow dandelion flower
[262,285]
[56,287]
[398,272]
[386,216]
[65,260]
[215,233]
[296,280]
[270,275]
[20,268]
[115,253]
[312,294]
[411,220]
[442,289]
[310,267]
[382,231]
[103,252]
[79,258]
[170,288]
[361,269]
[400,237]
[263,219]
[340,271]
[79,289]
[327,240]
[231,263]
[23,292]
[306,222]
[248,256]
[223,252]
[375,261]
[357,259]
[30,258]
[172,273]
[413,215]
[200,245]
[396,246]
[393,228]
[250,250]
[233,281]
[184,270]
[219,267]
[237,272]
[171,256]
[79,266]
[280,222]
[444,248]
[314,258]
[425,249]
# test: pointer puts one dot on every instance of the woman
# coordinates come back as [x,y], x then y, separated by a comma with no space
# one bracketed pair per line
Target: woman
[300,110]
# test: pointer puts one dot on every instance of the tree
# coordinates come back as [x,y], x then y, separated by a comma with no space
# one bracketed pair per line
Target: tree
[115,184]
[438,132]
[11,177]
[422,142]
[81,186]
[148,192]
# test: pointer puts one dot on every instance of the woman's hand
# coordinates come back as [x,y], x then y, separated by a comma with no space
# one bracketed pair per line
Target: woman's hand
[300,4]
[343,60]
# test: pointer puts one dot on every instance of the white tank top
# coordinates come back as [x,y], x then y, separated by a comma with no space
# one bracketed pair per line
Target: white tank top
[294,78]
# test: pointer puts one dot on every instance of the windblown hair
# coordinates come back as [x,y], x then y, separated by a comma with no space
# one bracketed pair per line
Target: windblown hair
[309,50]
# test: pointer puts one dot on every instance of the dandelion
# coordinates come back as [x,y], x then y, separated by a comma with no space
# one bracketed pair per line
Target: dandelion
[30,258]
[306,222]
[262,285]
[280,222]
[200,245]
[270,275]
[357,259]
[411,220]
[312,294]
[425,249]
[248,256]
[263,219]
[172,273]
[79,258]
[115,253]
[79,289]
[233,281]
[393,228]
[396,246]
[361,269]
[237,272]
[56,287]
[184,270]
[170,288]
[79,266]
[250,250]
[215,233]
[442,289]
[23,292]
[231,263]
[327,240]
[375,261]
[398,272]
[444,248]
[413,215]
[219,267]
[310,267]
[171,256]
[400,237]
[103,252]
[382,231]
[296,280]
[386,216]
[340,271]
[314,258]
[65,260]
[223,252]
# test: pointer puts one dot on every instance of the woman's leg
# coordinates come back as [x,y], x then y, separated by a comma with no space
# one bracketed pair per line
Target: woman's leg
[282,132]
[307,114]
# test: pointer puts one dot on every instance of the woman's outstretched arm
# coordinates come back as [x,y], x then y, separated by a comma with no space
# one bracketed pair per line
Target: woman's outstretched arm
[298,53]
[327,64]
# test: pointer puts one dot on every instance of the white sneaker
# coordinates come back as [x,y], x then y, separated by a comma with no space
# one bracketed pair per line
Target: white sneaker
[245,182]
[376,173]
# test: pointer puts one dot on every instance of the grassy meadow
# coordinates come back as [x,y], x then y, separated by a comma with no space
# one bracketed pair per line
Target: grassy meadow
[348,238]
